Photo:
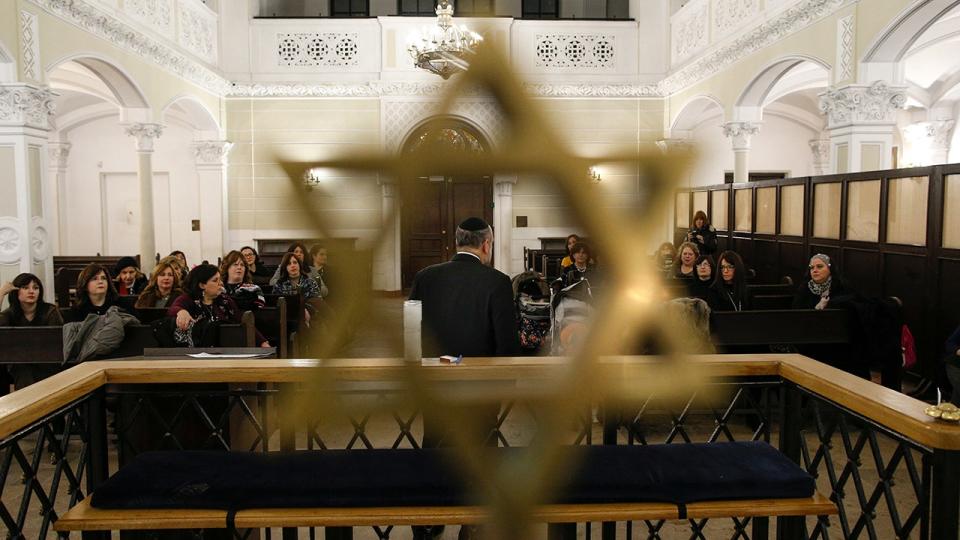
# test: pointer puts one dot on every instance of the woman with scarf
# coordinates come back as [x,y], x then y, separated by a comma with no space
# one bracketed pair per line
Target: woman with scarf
[822,288]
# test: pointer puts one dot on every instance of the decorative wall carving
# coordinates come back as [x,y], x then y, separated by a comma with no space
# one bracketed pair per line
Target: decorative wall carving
[820,148]
[10,240]
[39,241]
[575,51]
[101,22]
[400,117]
[197,29]
[846,33]
[26,105]
[144,134]
[690,33]
[740,133]
[156,14]
[859,104]
[728,15]
[786,22]
[380,89]
[59,153]
[30,44]
[318,49]
[212,152]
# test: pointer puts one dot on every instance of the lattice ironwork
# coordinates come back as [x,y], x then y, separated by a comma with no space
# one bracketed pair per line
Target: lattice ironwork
[858,463]
[42,472]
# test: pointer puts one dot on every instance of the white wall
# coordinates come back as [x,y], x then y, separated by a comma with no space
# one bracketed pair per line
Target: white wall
[101,147]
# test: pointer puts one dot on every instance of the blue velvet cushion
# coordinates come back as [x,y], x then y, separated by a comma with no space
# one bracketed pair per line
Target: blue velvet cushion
[677,473]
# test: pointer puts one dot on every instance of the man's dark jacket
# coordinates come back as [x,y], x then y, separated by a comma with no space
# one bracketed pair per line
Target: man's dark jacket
[468,309]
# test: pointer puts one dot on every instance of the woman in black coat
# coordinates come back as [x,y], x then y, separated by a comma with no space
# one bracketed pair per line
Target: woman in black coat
[823,287]
[729,289]
[703,234]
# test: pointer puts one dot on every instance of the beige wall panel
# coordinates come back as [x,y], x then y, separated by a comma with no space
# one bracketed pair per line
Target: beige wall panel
[871,157]
[35,172]
[245,204]
[8,182]
[791,210]
[951,212]
[276,152]
[682,210]
[719,217]
[241,153]
[826,210]
[863,211]
[7,273]
[539,201]
[321,105]
[546,217]
[700,201]
[242,220]
[239,170]
[345,219]
[843,158]
[366,139]
[767,210]
[907,211]
[315,120]
[743,199]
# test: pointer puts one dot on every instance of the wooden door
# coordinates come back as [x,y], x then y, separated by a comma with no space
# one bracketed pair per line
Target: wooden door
[429,216]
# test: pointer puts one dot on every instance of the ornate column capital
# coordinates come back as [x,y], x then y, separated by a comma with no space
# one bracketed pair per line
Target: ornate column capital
[58,152]
[740,133]
[144,134]
[26,105]
[820,148]
[212,152]
[927,143]
[877,103]
[504,189]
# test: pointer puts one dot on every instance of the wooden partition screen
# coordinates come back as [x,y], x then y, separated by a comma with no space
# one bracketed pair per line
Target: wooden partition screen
[890,233]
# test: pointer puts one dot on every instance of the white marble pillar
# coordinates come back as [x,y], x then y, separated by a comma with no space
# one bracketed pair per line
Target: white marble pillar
[503,222]
[387,257]
[211,161]
[26,113]
[820,156]
[59,155]
[861,120]
[740,134]
[144,135]
[927,143]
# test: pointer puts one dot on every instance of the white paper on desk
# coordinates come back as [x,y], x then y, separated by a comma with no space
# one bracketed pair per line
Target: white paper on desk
[212,355]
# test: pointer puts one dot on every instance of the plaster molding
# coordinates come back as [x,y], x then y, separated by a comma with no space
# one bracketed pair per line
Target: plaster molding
[103,23]
[674,145]
[212,152]
[11,239]
[144,134]
[820,148]
[59,153]
[39,240]
[26,105]
[935,134]
[30,45]
[858,104]
[424,89]
[740,133]
[846,41]
[789,21]
[504,189]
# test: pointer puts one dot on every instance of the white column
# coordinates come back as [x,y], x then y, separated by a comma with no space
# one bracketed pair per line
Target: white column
[740,134]
[387,257]
[927,143]
[862,120]
[503,221]
[211,159]
[25,119]
[820,150]
[145,134]
[59,154]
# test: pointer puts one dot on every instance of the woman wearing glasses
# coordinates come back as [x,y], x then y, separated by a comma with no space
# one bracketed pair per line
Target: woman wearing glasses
[822,288]
[729,289]
[699,286]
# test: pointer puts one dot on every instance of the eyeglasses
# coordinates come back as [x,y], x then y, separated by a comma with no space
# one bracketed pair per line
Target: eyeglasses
[727,267]
[704,264]
[820,266]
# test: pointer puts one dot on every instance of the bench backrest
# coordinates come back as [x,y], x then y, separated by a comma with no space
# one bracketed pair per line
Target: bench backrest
[781,327]
[80,261]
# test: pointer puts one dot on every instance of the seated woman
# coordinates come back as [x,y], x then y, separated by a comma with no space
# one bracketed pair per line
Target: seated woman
[95,293]
[582,267]
[293,281]
[729,289]
[164,286]
[27,308]
[664,257]
[204,300]
[684,267]
[184,268]
[238,284]
[703,234]
[699,287]
[129,280]
[822,287]
[319,255]
[252,259]
[567,261]
[300,250]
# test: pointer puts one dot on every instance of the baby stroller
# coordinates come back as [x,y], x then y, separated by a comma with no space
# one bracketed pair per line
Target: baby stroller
[571,309]
[532,300]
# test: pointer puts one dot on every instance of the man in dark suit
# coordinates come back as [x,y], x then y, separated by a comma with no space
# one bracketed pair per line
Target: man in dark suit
[468,310]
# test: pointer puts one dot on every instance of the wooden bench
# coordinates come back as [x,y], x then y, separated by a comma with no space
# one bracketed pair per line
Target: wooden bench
[780,327]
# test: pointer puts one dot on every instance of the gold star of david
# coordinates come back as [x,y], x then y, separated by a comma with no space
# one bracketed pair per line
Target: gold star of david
[630,313]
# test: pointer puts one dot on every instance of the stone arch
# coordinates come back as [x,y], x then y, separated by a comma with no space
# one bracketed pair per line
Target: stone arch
[193,112]
[756,94]
[8,65]
[881,60]
[446,120]
[691,114]
[402,118]
[126,92]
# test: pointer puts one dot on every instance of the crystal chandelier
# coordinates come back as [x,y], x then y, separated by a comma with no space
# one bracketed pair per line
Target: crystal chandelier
[443,49]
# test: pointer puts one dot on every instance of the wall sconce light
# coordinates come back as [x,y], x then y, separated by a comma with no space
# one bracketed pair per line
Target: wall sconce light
[593,175]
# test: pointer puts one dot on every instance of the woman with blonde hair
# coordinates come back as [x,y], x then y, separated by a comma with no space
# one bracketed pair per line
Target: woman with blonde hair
[163,287]
[684,267]
[238,282]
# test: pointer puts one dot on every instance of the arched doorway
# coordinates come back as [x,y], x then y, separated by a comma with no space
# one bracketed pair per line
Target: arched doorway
[433,205]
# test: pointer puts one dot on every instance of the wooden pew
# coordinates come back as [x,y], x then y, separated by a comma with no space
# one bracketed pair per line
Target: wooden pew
[81,261]
[780,327]
[44,344]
